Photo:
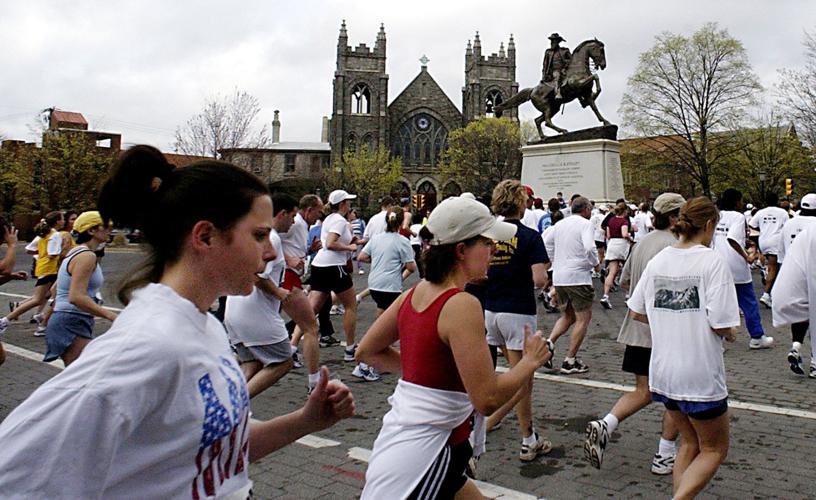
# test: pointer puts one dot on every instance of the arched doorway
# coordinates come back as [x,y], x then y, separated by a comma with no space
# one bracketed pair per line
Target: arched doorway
[451,189]
[426,196]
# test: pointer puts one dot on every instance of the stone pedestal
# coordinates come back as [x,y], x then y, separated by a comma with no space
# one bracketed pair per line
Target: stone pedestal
[590,168]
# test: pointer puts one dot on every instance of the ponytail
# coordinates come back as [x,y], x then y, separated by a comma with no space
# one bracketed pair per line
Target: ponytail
[693,217]
[46,224]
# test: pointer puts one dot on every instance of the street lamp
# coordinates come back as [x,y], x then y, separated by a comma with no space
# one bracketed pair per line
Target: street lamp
[761,185]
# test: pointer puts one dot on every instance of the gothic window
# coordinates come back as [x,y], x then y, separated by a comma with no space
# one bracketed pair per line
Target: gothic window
[422,139]
[428,192]
[289,165]
[492,98]
[368,142]
[361,99]
[352,143]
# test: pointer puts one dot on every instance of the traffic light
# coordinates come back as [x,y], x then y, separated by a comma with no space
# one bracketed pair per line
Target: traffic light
[788,186]
[418,201]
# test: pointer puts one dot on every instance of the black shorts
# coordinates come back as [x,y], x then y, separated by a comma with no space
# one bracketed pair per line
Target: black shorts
[46,280]
[636,360]
[330,279]
[384,299]
[446,475]
[600,244]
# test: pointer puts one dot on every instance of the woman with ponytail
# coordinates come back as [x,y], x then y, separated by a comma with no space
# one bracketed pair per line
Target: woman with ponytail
[158,407]
[687,296]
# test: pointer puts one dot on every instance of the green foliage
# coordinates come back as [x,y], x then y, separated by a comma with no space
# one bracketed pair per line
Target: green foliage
[482,154]
[692,87]
[368,174]
[16,180]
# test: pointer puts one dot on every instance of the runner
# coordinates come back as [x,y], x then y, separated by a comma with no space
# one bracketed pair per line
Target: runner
[253,322]
[518,266]
[67,233]
[618,241]
[422,449]
[79,280]
[769,222]
[600,238]
[573,258]
[158,404]
[642,221]
[687,296]
[529,217]
[793,228]
[49,251]
[357,231]
[638,340]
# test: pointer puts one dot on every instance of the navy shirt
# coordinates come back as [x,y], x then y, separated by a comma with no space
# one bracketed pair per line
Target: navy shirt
[510,278]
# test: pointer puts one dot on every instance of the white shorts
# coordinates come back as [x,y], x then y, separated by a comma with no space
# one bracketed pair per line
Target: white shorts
[508,328]
[617,249]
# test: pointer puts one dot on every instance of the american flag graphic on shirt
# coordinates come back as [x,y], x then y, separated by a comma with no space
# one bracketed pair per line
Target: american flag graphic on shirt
[224,435]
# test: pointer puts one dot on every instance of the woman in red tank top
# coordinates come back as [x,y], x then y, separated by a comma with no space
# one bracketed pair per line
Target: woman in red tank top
[443,348]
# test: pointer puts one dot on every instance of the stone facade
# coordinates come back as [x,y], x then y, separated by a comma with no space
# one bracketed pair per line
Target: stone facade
[284,163]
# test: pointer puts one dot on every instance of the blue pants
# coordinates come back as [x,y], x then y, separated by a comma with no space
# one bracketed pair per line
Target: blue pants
[750,308]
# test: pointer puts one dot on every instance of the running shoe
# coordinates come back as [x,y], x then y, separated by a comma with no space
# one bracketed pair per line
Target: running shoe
[795,361]
[605,302]
[812,373]
[348,354]
[597,436]
[470,468]
[4,323]
[361,271]
[596,275]
[765,300]
[530,452]
[367,374]
[328,341]
[296,362]
[763,342]
[577,366]
[40,331]
[337,310]
[662,465]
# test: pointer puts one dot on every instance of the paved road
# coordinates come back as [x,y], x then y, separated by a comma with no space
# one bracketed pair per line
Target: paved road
[772,433]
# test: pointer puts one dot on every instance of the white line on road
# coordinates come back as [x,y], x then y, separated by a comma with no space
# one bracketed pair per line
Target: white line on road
[19,296]
[34,356]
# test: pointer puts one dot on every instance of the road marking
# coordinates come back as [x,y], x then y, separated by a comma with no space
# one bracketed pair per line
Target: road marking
[34,356]
[732,403]
[313,441]
[19,296]
[361,454]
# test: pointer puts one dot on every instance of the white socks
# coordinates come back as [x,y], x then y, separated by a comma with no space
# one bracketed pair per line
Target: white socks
[667,447]
[313,378]
[531,439]
[797,346]
[611,422]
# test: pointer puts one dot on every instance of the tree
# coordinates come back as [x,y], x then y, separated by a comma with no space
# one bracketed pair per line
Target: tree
[16,179]
[690,88]
[482,154]
[368,174]
[225,122]
[797,92]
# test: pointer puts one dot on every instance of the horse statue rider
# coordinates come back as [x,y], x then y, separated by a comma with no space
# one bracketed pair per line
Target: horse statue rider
[556,61]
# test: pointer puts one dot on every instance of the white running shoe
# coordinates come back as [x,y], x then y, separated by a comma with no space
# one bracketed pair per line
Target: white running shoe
[38,317]
[529,453]
[367,374]
[766,301]
[337,310]
[40,331]
[763,342]
[662,465]
[597,436]
[4,323]
[361,271]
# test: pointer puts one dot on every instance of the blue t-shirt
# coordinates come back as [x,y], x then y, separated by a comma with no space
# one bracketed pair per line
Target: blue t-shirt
[510,278]
[544,222]
[389,253]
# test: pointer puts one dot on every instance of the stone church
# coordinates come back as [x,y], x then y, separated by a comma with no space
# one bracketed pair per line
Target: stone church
[416,124]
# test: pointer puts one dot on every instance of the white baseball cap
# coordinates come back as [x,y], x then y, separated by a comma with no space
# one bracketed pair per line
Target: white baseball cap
[459,218]
[808,201]
[339,196]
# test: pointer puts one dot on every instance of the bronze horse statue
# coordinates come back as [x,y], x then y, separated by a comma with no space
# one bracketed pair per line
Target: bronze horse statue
[577,84]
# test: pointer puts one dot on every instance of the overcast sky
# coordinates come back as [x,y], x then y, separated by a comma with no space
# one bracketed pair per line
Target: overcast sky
[142,68]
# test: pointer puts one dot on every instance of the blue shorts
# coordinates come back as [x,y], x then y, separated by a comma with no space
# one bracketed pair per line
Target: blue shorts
[62,329]
[698,410]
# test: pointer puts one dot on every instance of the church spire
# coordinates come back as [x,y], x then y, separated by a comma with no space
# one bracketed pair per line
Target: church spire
[343,38]
[477,46]
[379,44]
[501,50]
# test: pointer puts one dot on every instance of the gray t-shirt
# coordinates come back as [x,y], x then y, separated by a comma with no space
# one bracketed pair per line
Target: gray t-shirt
[633,332]
[389,253]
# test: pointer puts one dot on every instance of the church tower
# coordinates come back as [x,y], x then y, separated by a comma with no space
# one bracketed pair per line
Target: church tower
[489,80]
[360,100]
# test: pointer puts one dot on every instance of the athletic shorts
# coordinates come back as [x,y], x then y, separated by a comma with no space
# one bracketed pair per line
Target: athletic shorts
[46,280]
[698,410]
[330,279]
[600,245]
[617,249]
[291,280]
[384,299]
[508,328]
[446,475]
[636,360]
[269,354]
[580,297]
[63,328]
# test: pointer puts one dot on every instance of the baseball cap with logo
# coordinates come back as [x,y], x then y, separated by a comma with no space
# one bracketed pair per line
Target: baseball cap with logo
[339,196]
[808,201]
[458,219]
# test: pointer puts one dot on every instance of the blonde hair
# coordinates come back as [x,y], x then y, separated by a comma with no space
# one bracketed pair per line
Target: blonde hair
[694,215]
[509,198]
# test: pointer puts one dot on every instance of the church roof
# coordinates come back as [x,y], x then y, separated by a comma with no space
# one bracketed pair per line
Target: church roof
[432,96]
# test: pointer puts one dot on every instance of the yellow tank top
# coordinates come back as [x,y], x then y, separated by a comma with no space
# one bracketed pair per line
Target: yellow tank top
[66,236]
[46,265]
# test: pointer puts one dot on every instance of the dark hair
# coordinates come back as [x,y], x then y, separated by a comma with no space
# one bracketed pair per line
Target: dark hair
[538,203]
[308,201]
[83,237]
[554,205]
[145,192]
[68,213]
[386,201]
[556,216]
[282,201]
[694,215]
[439,261]
[771,199]
[729,199]
[621,209]
[393,219]
[45,225]
[663,221]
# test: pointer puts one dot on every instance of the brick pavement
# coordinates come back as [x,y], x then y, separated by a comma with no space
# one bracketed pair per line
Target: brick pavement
[770,455]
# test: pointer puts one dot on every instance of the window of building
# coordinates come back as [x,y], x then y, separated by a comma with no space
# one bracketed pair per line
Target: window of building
[314,167]
[422,140]
[361,99]
[493,98]
[289,164]
[255,164]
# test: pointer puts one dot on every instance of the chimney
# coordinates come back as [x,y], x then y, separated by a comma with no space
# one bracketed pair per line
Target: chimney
[276,127]
[324,132]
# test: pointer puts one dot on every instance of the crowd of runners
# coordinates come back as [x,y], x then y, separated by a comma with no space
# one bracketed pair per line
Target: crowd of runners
[165,393]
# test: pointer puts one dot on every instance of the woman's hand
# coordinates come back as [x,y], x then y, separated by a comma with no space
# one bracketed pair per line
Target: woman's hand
[536,347]
[329,402]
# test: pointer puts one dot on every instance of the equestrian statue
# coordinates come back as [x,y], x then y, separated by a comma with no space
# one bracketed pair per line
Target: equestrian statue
[565,76]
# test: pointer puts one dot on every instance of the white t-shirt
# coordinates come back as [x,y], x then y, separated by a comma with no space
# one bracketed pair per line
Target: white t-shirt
[54,245]
[255,319]
[643,222]
[574,253]
[337,224]
[686,293]
[530,220]
[596,220]
[414,238]
[770,221]
[732,227]
[795,287]
[33,245]
[376,225]
[294,240]
[389,253]
[791,231]
[155,408]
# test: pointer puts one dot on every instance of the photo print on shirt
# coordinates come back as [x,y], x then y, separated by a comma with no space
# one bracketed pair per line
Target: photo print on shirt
[677,293]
